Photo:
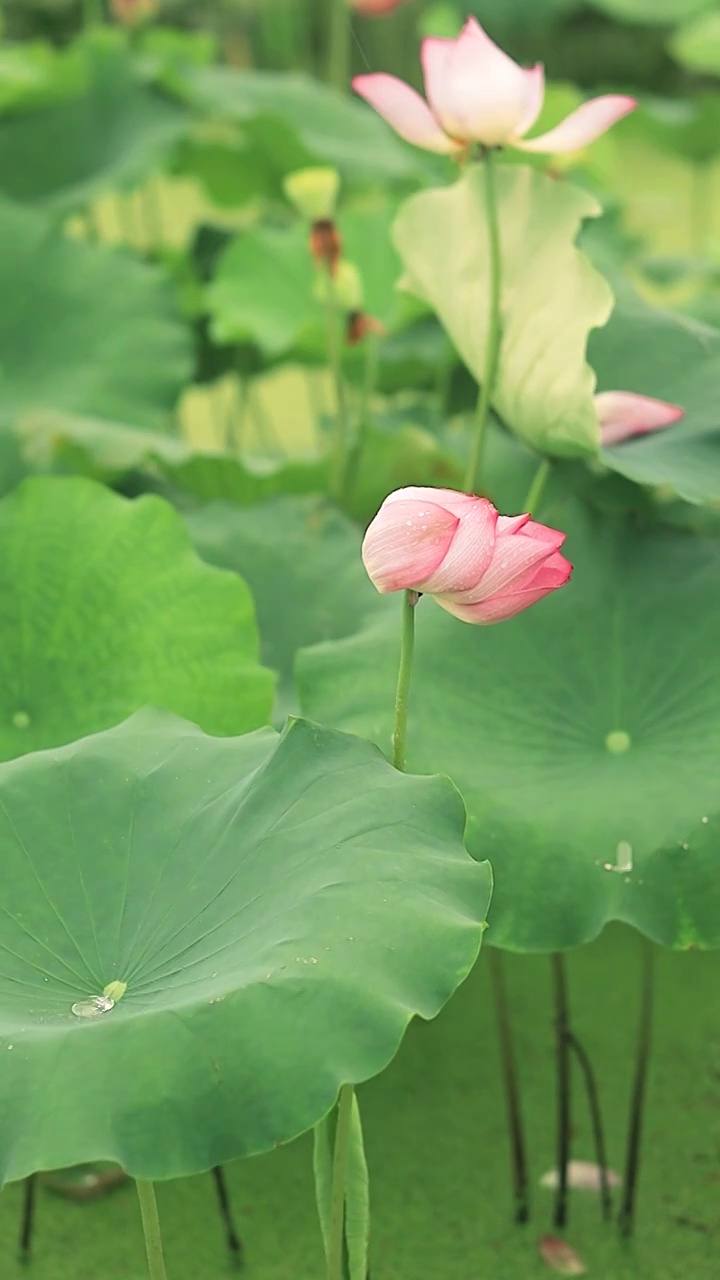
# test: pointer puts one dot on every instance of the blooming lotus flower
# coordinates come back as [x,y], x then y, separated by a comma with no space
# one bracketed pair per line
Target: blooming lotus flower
[477,94]
[480,566]
[623,415]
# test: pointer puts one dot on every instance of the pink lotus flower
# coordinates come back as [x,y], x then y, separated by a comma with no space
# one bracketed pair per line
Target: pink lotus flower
[477,94]
[480,566]
[371,8]
[623,415]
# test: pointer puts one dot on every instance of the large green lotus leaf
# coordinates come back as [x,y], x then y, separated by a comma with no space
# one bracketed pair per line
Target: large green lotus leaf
[105,608]
[583,734]
[279,908]
[84,329]
[263,291]
[115,133]
[301,559]
[663,354]
[330,126]
[551,296]
[109,451]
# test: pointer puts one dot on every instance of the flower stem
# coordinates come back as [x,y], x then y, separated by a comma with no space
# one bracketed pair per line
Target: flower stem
[492,350]
[334,353]
[151,1229]
[341,1152]
[339,48]
[368,386]
[537,487]
[407,646]
[637,1106]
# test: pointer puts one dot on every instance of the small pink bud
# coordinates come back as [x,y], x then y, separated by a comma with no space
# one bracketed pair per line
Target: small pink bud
[480,566]
[623,415]
[133,12]
[373,8]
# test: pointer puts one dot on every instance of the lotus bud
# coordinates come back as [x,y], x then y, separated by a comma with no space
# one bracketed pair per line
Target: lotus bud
[131,13]
[314,193]
[480,566]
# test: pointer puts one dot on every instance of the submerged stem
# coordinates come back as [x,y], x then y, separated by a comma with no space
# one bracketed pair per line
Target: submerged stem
[151,1229]
[27,1222]
[336,1231]
[511,1085]
[593,1097]
[626,1218]
[402,695]
[492,350]
[234,1243]
[562,1043]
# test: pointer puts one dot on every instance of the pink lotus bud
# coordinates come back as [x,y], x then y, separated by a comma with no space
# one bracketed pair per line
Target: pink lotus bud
[373,8]
[477,94]
[623,415]
[133,12]
[479,566]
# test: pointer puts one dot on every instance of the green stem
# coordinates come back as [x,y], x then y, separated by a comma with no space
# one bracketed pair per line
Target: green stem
[537,487]
[700,207]
[93,13]
[339,45]
[407,646]
[334,351]
[151,1229]
[152,216]
[341,1152]
[368,386]
[492,350]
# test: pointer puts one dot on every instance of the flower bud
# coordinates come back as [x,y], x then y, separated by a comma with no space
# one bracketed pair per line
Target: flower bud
[313,192]
[480,566]
[622,415]
[133,12]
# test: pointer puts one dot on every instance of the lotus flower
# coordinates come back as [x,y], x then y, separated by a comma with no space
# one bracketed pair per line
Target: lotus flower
[480,566]
[623,415]
[477,94]
[371,8]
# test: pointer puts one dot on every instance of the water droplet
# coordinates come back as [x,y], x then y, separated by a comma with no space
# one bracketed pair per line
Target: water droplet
[705,820]
[618,742]
[94,1007]
[623,858]
[21,720]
